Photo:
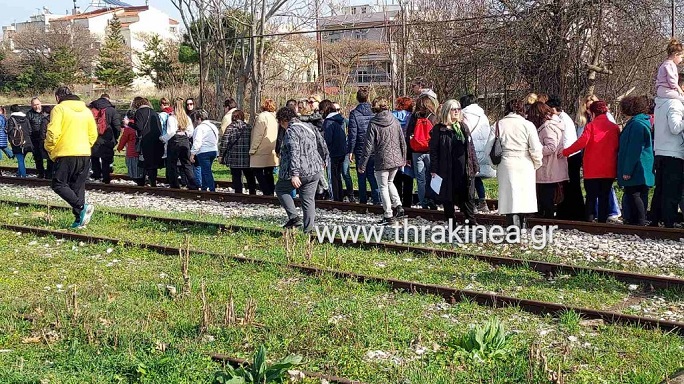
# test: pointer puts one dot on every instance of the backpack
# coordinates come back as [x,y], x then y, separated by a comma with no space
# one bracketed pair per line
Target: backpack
[420,139]
[100,119]
[16,134]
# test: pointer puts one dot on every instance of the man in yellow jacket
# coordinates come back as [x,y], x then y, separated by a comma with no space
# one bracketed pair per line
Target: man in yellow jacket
[71,134]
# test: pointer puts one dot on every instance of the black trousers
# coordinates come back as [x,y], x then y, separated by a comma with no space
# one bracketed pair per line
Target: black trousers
[545,194]
[265,178]
[178,150]
[668,190]
[38,156]
[637,210]
[572,206]
[598,189]
[515,220]
[336,176]
[462,200]
[102,168]
[69,179]
[404,184]
[236,175]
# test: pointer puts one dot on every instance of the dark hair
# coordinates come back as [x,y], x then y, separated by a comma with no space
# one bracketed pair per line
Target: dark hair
[515,106]
[238,115]
[104,96]
[543,97]
[2,110]
[326,106]
[362,95]
[14,108]
[674,47]
[62,91]
[421,82]
[467,100]
[189,99]
[139,101]
[555,102]
[539,112]
[285,114]
[292,103]
[130,114]
[164,101]
[634,105]
[380,104]
[404,104]
[47,109]
[425,106]
[598,107]
[202,114]
[230,103]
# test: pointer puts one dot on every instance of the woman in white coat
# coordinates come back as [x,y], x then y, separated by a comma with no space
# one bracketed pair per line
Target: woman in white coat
[482,134]
[521,157]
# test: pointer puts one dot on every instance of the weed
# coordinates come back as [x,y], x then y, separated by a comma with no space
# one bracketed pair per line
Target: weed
[570,320]
[488,342]
[259,371]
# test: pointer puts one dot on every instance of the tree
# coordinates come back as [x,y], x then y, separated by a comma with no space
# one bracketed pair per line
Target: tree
[115,67]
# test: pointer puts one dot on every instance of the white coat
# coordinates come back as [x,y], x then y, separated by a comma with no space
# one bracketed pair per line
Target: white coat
[483,134]
[516,174]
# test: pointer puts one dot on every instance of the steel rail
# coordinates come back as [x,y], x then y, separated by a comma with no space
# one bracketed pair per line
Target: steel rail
[431,215]
[547,268]
[451,295]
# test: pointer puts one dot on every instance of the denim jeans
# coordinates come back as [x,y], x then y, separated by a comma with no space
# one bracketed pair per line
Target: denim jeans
[8,152]
[479,187]
[370,176]
[613,206]
[197,170]
[204,160]
[421,167]
[21,171]
[346,176]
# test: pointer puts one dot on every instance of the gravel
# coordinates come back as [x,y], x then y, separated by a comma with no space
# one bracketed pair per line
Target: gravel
[658,256]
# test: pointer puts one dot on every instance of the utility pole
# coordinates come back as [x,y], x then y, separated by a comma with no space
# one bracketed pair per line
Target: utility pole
[672,10]
[319,51]
[402,4]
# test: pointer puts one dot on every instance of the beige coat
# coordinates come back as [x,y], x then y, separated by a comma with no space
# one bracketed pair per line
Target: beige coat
[521,157]
[263,143]
[227,120]
[553,169]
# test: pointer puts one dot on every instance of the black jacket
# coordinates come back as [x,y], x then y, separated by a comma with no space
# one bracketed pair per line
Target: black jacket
[454,161]
[105,143]
[35,120]
[359,118]
[335,137]
[147,125]
[19,133]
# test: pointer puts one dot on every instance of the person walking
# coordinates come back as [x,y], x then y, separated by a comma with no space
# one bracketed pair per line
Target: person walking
[554,170]
[71,134]
[359,118]
[600,143]
[481,132]
[19,137]
[453,158]
[148,128]
[235,152]
[404,179]
[205,148]
[302,158]
[177,141]
[635,158]
[418,131]
[521,157]
[34,116]
[262,151]
[385,142]
[336,140]
[102,156]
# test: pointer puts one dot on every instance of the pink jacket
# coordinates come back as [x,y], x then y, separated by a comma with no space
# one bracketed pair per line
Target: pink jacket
[553,169]
[667,75]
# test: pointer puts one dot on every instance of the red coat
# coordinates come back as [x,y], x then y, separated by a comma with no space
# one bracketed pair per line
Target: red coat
[600,141]
[128,140]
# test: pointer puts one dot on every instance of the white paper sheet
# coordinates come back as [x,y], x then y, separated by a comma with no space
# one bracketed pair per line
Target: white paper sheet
[436,184]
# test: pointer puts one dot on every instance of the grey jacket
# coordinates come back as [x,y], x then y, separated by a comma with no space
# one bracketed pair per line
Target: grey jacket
[384,140]
[304,152]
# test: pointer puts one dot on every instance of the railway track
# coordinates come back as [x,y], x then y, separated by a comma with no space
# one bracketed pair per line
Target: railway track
[547,268]
[592,228]
[451,295]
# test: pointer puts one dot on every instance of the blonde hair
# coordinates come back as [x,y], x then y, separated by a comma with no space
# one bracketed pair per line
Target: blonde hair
[531,98]
[445,112]
[582,111]
[181,116]
[674,47]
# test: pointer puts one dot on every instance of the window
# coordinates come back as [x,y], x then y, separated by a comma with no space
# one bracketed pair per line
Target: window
[363,10]
[362,76]
[353,10]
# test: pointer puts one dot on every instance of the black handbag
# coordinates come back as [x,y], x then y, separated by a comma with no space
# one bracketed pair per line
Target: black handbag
[497,151]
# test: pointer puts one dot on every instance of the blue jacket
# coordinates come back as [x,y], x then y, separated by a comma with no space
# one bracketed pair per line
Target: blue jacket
[403,117]
[335,137]
[3,132]
[635,155]
[359,119]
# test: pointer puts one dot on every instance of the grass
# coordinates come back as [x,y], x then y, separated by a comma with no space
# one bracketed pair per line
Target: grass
[124,328]
[584,289]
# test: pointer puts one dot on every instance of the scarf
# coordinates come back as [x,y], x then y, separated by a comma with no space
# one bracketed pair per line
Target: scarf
[458,132]
[168,110]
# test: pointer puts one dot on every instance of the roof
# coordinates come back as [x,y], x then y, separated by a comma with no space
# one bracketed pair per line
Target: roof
[172,21]
[102,11]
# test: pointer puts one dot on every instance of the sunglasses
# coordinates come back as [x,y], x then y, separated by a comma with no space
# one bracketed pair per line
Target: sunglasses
[455,109]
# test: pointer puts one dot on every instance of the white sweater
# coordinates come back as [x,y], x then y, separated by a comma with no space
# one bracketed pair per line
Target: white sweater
[669,125]
[205,138]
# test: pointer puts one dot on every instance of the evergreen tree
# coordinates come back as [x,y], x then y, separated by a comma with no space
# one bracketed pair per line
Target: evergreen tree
[115,67]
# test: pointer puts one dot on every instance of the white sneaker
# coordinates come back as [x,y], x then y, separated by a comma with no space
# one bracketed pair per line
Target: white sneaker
[88,210]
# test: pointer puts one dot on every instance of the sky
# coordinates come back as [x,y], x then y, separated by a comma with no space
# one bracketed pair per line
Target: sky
[18,11]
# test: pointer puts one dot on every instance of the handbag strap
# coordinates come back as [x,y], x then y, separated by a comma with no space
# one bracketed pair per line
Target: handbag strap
[496,132]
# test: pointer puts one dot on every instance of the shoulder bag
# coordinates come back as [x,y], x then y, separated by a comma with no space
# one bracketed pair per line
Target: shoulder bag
[497,151]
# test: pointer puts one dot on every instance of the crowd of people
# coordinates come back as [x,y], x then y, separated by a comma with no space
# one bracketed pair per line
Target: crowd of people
[537,152]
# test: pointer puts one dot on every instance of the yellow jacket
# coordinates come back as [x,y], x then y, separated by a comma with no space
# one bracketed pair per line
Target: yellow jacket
[72,130]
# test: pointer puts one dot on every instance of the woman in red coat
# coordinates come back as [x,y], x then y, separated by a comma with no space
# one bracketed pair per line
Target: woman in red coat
[600,141]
